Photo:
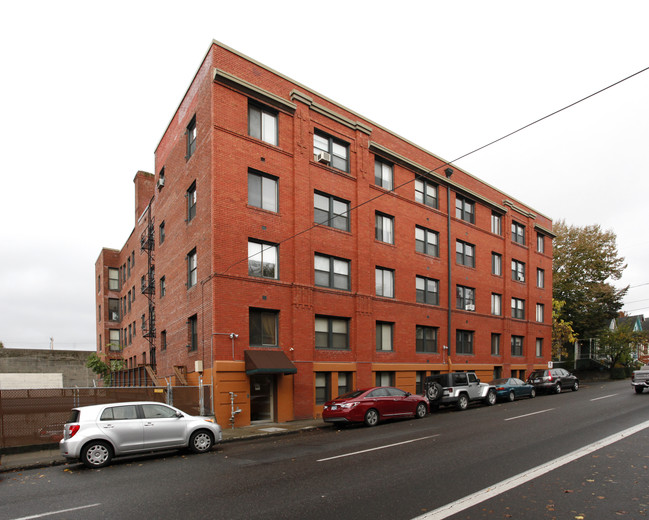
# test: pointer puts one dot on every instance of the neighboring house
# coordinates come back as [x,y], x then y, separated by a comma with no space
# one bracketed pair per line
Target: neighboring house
[290,250]
[637,323]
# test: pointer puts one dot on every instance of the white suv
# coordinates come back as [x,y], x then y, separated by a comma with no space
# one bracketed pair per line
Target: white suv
[95,434]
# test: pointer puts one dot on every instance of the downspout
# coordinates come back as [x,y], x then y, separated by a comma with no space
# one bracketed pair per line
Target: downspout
[448,172]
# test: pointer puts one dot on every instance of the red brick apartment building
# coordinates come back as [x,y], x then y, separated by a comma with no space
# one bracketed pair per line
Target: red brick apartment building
[297,250]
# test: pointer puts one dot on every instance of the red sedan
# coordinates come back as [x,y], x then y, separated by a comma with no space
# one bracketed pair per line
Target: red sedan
[373,404]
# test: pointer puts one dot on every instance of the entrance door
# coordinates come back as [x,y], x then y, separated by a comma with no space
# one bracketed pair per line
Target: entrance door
[262,394]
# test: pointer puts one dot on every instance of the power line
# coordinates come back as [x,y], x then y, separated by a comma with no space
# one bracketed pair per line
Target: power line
[448,163]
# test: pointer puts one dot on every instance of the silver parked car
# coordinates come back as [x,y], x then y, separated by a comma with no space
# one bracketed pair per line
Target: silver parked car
[95,434]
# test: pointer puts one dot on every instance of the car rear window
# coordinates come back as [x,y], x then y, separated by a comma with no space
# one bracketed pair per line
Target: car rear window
[73,417]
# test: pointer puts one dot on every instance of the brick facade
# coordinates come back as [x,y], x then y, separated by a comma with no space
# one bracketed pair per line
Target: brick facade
[225,298]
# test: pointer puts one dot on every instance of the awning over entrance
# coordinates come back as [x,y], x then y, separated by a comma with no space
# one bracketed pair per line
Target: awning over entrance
[268,362]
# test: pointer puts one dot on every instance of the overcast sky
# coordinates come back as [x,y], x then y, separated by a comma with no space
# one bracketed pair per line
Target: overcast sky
[89,87]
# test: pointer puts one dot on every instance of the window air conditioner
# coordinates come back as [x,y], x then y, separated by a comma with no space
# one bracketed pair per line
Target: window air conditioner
[469,307]
[161,182]
[323,157]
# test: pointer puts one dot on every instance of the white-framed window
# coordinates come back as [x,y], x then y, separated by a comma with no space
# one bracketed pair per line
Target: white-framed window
[113,279]
[262,123]
[496,223]
[497,264]
[540,243]
[540,278]
[540,311]
[263,259]
[384,282]
[192,268]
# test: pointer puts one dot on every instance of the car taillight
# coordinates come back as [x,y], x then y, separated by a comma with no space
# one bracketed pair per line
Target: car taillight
[550,377]
[500,388]
[72,430]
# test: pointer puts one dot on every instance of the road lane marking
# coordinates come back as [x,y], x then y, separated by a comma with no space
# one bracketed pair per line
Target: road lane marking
[603,397]
[528,414]
[377,448]
[501,487]
[50,513]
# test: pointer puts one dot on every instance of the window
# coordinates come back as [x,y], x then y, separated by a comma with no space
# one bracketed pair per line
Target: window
[426,192]
[262,123]
[419,382]
[262,191]
[540,278]
[540,243]
[465,253]
[262,260]
[337,150]
[322,387]
[384,282]
[384,336]
[464,209]
[384,228]
[192,333]
[99,313]
[163,287]
[518,233]
[495,344]
[426,241]
[163,340]
[130,334]
[518,308]
[540,311]
[192,267]
[539,347]
[496,264]
[331,333]
[161,178]
[496,223]
[345,380]
[384,379]
[496,304]
[191,202]
[191,138]
[113,309]
[262,325]
[427,290]
[119,413]
[464,342]
[332,272]
[113,339]
[113,279]
[465,298]
[383,174]
[426,339]
[518,271]
[99,283]
[330,211]
[517,345]
[162,232]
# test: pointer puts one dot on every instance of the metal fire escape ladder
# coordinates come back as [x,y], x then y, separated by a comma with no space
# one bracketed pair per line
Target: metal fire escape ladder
[147,245]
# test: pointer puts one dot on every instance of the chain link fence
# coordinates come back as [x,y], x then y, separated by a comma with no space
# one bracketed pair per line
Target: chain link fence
[36,416]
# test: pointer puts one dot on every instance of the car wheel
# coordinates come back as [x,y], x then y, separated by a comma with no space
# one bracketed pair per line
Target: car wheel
[421,411]
[96,454]
[371,417]
[200,441]
[434,392]
[512,396]
[557,388]
[638,389]
[462,402]
[575,387]
[532,393]
[491,398]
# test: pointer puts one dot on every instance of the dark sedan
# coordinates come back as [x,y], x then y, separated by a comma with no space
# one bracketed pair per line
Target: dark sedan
[553,380]
[512,388]
[374,404]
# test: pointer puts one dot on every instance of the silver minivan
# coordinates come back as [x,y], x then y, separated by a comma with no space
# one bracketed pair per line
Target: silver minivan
[95,434]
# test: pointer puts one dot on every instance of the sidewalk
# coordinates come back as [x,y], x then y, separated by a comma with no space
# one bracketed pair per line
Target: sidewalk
[49,456]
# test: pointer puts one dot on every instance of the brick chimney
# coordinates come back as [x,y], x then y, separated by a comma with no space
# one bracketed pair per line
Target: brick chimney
[144,190]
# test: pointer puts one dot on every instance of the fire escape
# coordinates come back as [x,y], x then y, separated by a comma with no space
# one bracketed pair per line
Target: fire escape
[147,245]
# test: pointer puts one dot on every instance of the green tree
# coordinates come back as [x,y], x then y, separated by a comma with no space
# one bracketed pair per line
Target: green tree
[586,261]
[618,345]
[562,333]
[103,369]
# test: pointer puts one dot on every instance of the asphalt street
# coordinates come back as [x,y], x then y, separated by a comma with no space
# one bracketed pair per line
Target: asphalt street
[397,470]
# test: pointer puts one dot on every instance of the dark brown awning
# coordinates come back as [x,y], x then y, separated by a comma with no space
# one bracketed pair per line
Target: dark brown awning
[268,362]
